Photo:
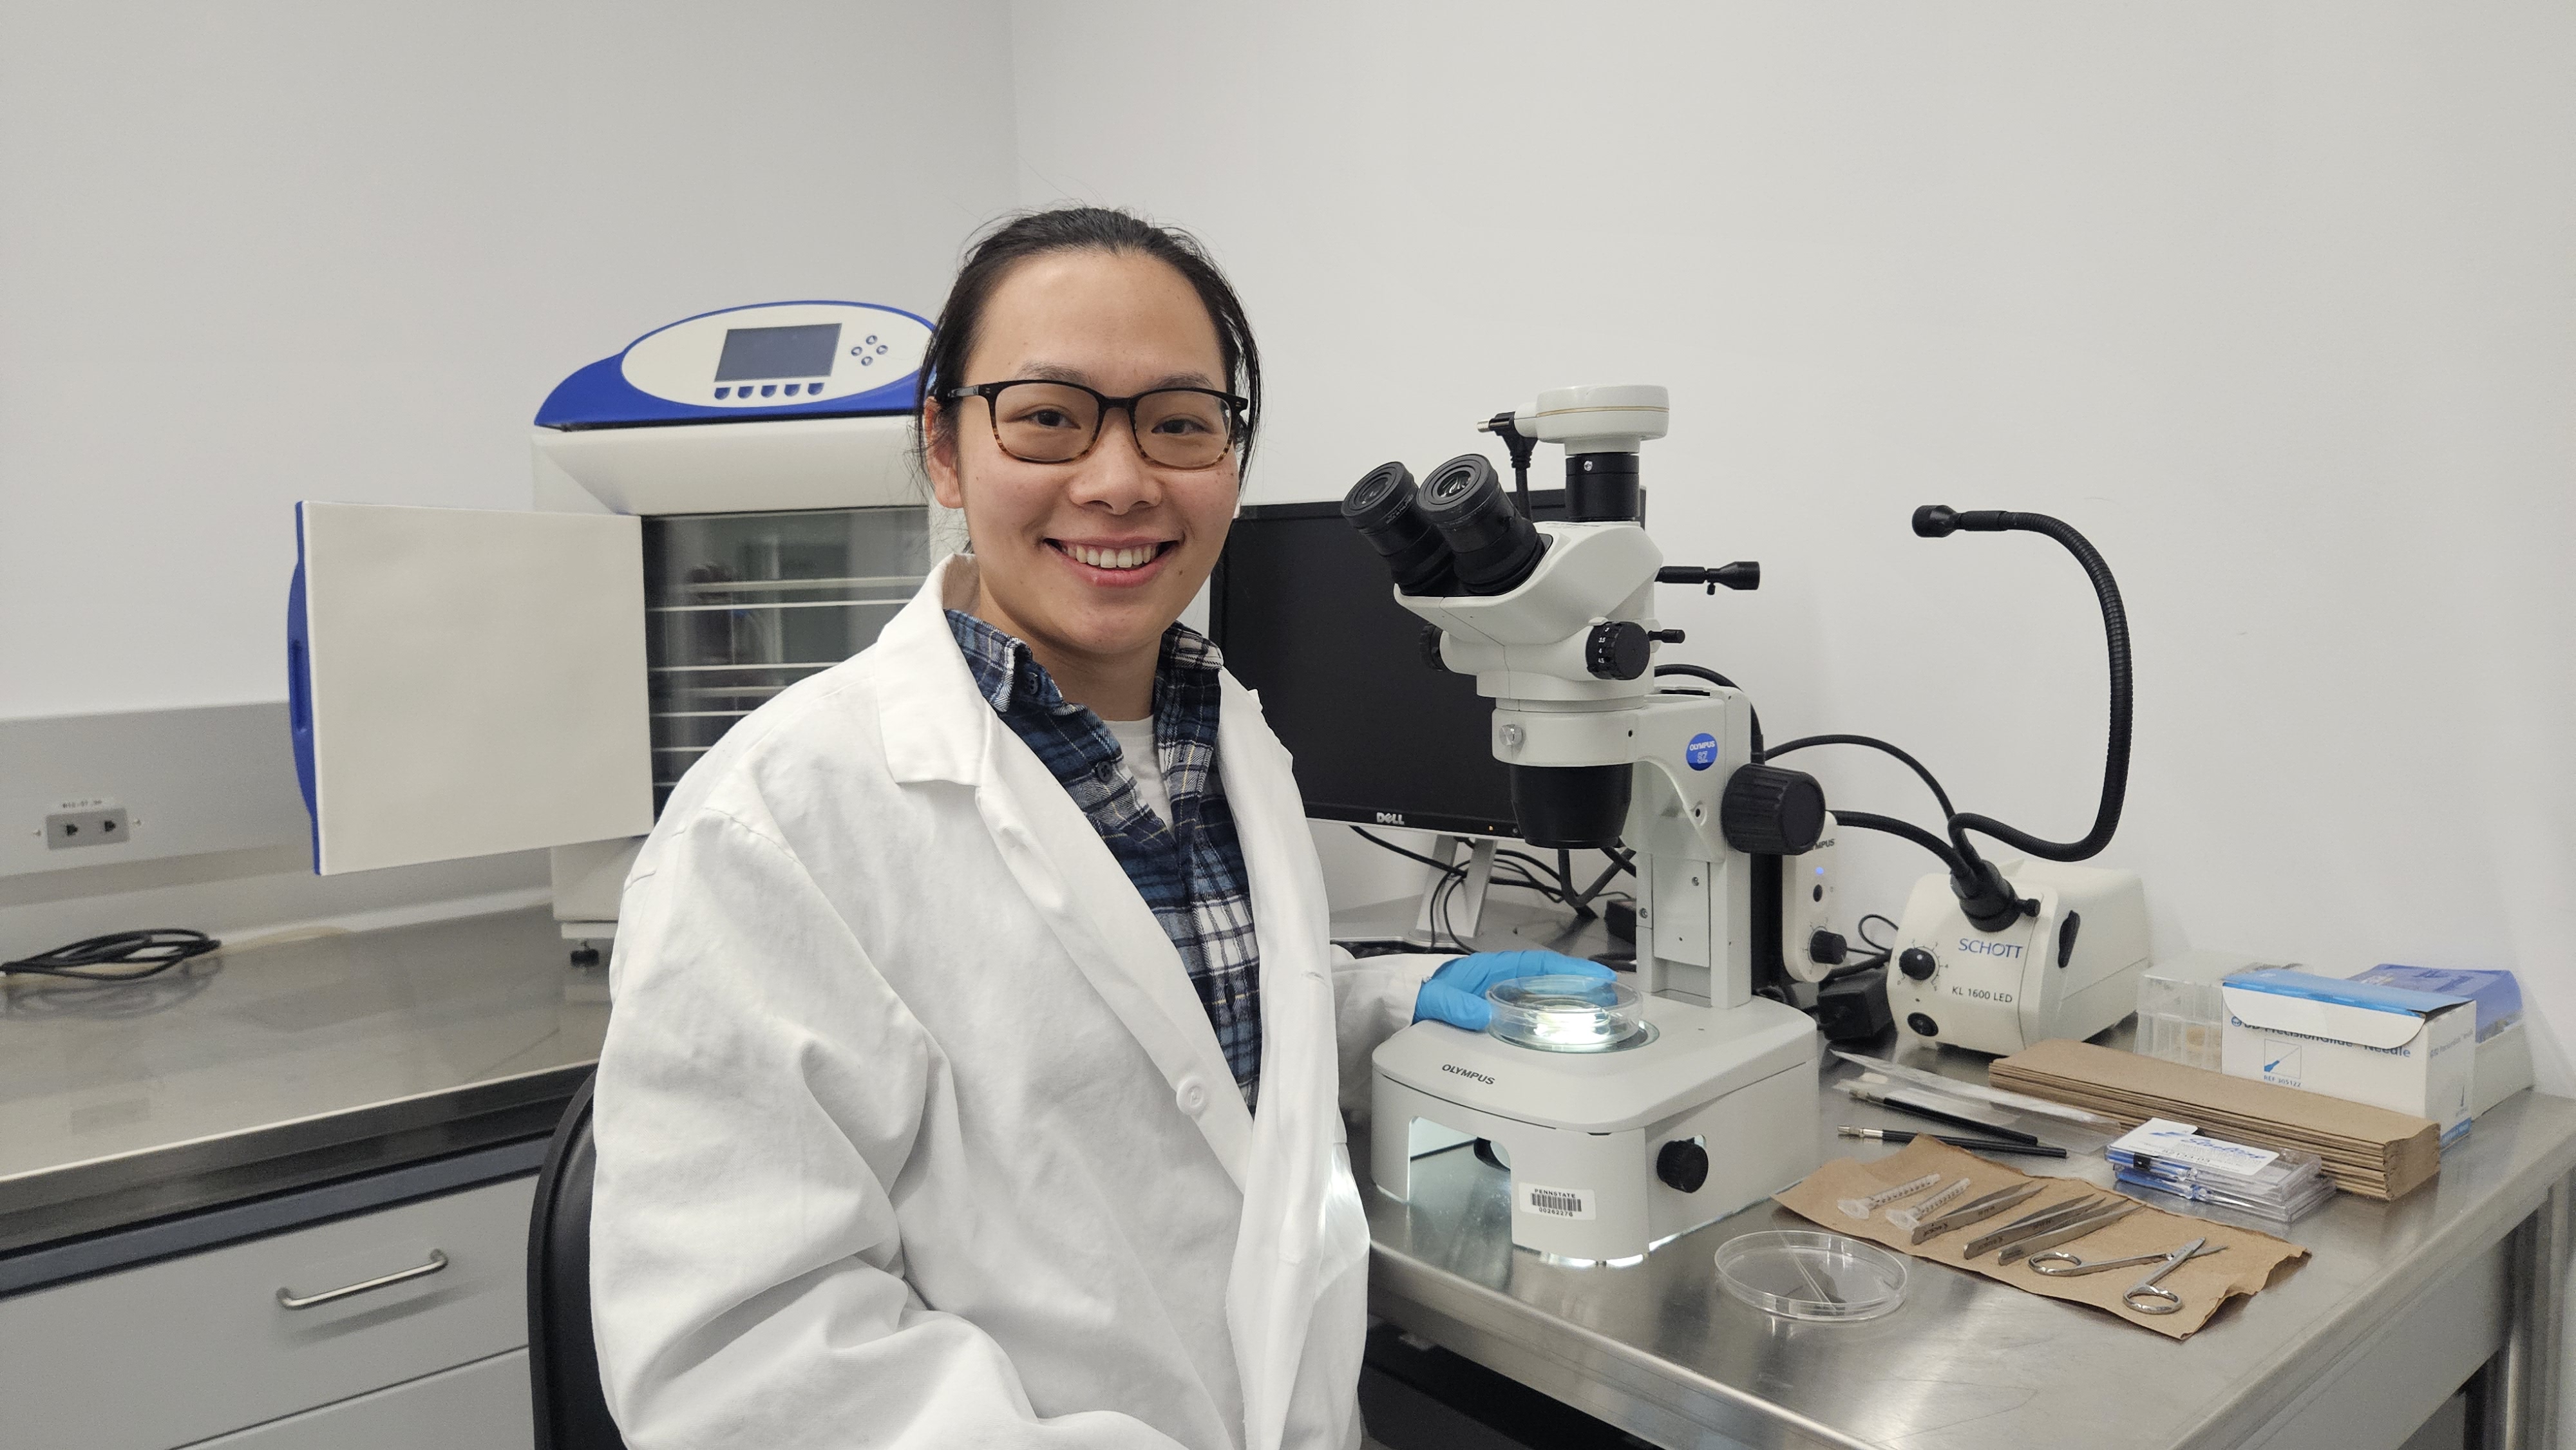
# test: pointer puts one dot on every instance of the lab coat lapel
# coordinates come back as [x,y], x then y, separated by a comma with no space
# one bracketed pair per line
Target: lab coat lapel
[1095,911]
[936,726]
[1272,1292]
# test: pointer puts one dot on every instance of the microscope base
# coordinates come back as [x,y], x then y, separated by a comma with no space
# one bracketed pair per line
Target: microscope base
[1583,1133]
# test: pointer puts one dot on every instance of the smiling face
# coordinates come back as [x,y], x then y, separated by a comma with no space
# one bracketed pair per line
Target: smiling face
[1088,561]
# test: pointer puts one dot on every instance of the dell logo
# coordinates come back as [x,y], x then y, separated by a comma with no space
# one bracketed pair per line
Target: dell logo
[1390,818]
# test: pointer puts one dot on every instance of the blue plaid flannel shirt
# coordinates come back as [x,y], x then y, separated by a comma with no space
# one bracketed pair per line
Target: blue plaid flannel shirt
[1188,869]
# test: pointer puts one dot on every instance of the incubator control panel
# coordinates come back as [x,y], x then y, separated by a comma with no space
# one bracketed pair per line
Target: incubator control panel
[771,359]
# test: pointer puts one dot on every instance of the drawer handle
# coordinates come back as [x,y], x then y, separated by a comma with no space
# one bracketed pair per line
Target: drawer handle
[289,1299]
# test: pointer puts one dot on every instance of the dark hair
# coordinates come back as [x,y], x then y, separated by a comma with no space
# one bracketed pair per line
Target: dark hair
[1084,229]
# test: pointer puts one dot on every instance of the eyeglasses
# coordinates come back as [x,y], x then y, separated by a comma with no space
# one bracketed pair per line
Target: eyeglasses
[1047,422]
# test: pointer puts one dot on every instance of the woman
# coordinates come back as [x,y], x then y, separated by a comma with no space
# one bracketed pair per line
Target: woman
[973,1074]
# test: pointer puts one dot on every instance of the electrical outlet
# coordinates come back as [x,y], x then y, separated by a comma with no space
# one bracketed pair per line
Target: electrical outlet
[94,823]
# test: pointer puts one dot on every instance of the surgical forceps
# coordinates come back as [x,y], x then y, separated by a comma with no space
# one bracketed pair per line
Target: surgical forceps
[2155,1300]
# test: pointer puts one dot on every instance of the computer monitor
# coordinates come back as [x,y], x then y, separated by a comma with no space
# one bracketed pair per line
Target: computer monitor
[1305,613]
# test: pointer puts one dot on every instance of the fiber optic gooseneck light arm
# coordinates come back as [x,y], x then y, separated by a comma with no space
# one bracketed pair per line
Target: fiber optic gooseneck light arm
[1983,893]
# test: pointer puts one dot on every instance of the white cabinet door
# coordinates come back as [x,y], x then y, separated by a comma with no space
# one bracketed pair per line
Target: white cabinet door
[467,681]
[478,1406]
[175,1352]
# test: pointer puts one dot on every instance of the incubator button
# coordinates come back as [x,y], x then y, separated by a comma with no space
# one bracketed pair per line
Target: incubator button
[1193,1096]
[768,389]
[721,392]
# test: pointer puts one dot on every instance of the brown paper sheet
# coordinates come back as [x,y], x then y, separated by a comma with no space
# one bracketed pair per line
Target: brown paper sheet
[2370,1151]
[2205,1284]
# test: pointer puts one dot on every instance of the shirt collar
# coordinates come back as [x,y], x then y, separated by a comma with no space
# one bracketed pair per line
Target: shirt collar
[1006,673]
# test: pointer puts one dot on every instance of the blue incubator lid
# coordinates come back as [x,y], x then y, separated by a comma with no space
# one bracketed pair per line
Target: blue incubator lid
[769,360]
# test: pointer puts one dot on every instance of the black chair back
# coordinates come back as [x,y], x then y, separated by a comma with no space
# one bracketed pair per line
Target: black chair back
[563,1363]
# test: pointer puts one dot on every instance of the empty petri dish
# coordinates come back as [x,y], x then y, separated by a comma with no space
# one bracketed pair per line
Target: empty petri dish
[1800,1274]
[1565,1013]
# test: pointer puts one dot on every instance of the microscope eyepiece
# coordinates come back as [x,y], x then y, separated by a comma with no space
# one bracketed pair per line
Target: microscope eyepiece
[1495,547]
[1384,506]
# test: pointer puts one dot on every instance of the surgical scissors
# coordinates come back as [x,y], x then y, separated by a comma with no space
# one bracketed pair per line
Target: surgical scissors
[2157,1300]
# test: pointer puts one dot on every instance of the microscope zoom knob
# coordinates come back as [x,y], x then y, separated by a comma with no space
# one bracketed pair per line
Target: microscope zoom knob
[1683,1164]
[1618,650]
[1767,811]
[1917,963]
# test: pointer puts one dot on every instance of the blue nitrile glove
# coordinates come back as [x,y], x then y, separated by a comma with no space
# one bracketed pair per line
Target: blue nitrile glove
[1455,994]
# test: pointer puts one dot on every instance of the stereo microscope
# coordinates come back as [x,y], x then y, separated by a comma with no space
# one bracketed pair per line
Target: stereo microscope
[1625,1114]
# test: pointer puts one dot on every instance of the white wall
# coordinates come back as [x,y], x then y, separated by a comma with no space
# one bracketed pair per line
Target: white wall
[2273,301]
[264,251]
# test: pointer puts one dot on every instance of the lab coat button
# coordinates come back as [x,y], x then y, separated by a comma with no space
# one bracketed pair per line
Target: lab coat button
[1193,1096]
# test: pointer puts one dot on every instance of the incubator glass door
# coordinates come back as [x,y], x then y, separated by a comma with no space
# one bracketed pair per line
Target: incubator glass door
[740,606]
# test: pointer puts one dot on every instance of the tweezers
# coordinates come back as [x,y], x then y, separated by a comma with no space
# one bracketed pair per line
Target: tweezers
[2067,1233]
[1976,1210]
[2032,1224]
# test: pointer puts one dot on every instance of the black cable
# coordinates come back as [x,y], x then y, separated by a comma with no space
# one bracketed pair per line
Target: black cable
[1384,844]
[1861,930]
[1878,956]
[1852,969]
[1934,521]
[1889,825]
[1873,742]
[1456,874]
[155,950]
[1441,899]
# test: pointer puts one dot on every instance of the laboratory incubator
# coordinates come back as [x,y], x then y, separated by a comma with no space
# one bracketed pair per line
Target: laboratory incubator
[724,507]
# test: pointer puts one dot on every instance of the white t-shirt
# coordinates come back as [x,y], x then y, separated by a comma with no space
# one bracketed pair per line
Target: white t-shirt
[1136,743]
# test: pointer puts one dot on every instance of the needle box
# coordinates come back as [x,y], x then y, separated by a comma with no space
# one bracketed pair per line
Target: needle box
[2391,1047]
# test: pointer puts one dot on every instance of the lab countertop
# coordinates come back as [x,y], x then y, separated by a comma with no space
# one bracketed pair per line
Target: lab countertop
[258,1072]
[1661,1349]
[131,1116]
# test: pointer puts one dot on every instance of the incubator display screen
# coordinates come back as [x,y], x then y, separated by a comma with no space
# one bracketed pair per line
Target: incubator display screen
[1301,609]
[778,352]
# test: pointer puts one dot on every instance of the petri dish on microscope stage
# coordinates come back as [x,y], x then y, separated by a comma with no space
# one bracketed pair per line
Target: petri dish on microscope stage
[1801,1274]
[1565,1013]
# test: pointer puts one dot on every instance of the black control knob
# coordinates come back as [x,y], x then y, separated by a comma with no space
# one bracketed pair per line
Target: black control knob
[1917,963]
[1617,650]
[1827,948]
[1768,811]
[1683,1164]
[1923,1026]
[1431,649]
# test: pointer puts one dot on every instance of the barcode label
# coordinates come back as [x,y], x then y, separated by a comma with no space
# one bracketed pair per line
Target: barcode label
[1557,1202]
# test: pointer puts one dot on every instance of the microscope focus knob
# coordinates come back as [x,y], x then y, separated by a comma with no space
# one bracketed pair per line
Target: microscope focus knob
[1618,650]
[1767,811]
[1917,963]
[1683,1164]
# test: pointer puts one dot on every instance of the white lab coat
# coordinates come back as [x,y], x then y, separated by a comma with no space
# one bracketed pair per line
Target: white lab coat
[912,1130]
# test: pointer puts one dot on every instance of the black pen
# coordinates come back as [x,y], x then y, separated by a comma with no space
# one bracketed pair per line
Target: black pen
[1973,1145]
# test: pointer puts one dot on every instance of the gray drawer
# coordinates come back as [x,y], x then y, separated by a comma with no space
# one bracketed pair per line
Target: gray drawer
[478,1406]
[178,1351]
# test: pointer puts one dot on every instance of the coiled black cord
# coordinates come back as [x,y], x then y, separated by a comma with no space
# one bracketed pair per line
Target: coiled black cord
[151,951]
